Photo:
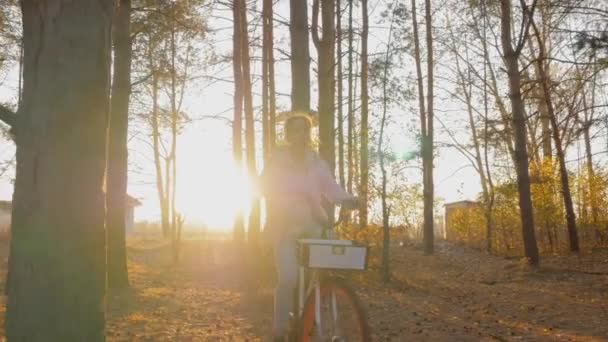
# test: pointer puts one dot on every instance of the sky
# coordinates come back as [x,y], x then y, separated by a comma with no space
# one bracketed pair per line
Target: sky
[210,189]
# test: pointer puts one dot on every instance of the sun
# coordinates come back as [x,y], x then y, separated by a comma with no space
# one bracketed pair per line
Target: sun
[214,194]
[211,190]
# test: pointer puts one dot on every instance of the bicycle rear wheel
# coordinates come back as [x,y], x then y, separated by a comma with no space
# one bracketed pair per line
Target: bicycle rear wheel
[342,318]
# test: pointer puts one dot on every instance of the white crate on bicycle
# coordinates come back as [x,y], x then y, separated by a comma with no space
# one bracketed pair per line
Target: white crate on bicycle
[334,254]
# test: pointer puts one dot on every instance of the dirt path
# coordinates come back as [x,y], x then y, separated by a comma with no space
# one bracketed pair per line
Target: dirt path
[464,295]
[458,294]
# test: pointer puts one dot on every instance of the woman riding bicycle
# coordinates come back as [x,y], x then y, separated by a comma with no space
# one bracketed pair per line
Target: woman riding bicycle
[295,181]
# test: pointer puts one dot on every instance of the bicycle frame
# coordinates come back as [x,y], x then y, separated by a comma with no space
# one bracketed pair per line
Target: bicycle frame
[304,292]
[314,285]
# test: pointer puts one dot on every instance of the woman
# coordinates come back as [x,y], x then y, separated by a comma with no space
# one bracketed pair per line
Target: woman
[295,182]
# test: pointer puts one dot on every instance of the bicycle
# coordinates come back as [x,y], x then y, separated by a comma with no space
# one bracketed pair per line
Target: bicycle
[327,295]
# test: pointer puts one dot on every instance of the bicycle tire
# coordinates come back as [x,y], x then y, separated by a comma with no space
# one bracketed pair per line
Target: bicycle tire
[339,286]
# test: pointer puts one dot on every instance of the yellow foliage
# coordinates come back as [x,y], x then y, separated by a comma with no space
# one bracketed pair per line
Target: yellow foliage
[467,225]
[589,194]
[372,236]
[548,203]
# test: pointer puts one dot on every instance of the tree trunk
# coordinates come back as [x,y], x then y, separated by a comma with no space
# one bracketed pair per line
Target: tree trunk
[422,110]
[325,48]
[427,151]
[271,87]
[545,119]
[167,199]
[266,41]
[364,165]
[57,262]
[386,275]
[546,130]
[268,91]
[300,56]
[590,172]
[237,130]
[566,195]
[489,205]
[172,160]
[20,81]
[591,183]
[519,129]
[386,238]
[350,119]
[116,178]
[418,60]
[253,228]
[356,150]
[160,188]
[341,175]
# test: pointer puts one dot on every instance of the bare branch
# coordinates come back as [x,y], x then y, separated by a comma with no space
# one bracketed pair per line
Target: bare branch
[7,116]
[525,26]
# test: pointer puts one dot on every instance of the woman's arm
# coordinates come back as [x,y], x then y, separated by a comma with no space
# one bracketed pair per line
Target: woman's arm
[331,189]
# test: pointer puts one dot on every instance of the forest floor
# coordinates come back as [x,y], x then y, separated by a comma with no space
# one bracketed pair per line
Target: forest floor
[458,294]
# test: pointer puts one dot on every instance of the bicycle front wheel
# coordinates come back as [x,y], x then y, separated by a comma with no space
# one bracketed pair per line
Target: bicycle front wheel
[341,318]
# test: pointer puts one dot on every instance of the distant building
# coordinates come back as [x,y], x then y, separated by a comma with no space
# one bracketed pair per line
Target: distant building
[132,202]
[6,210]
[450,210]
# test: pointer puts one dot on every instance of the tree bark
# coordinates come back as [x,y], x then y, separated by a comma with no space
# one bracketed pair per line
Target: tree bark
[351,118]
[566,195]
[427,143]
[116,178]
[591,183]
[56,288]
[364,165]
[266,42]
[421,108]
[519,129]
[172,160]
[253,227]
[341,175]
[386,275]
[545,121]
[489,205]
[160,187]
[300,56]
[237,130]
[268,90]
[271,87]
[325,48]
